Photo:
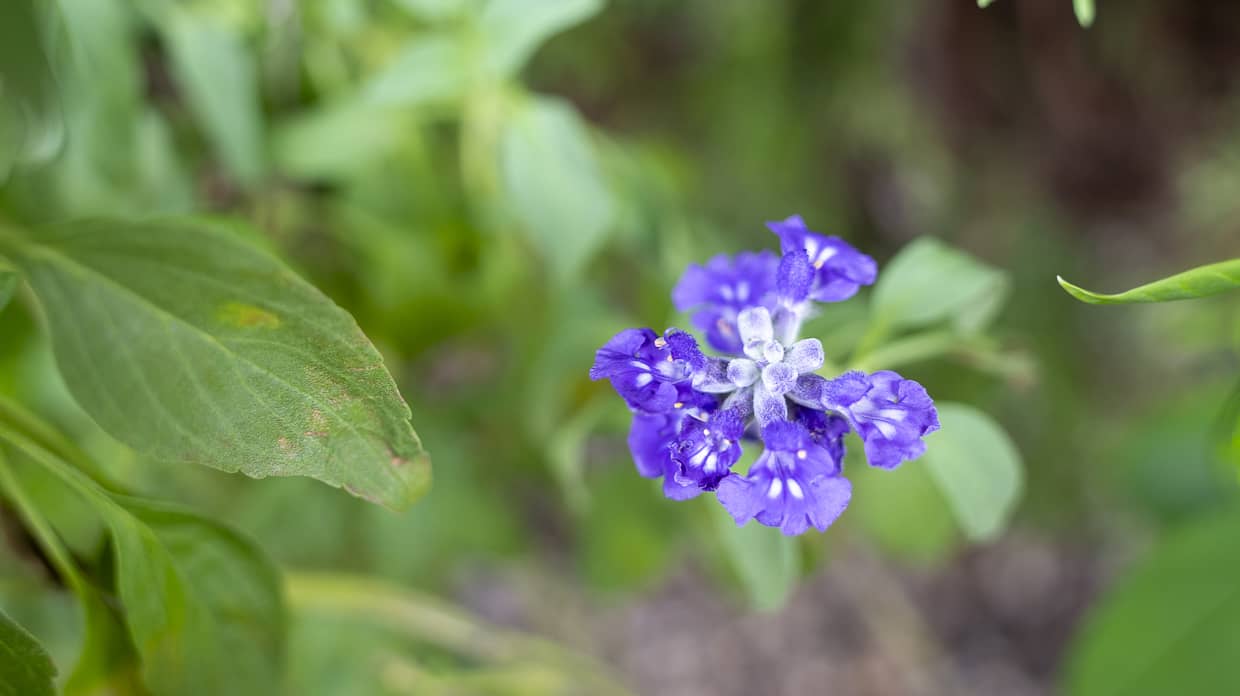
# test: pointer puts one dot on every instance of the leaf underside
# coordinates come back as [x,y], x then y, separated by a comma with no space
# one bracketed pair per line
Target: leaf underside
[1202,281]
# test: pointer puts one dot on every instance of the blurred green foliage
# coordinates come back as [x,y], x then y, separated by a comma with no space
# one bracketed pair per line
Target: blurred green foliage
[494,187]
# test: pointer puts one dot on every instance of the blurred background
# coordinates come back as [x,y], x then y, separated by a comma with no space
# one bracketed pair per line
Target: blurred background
[495,188]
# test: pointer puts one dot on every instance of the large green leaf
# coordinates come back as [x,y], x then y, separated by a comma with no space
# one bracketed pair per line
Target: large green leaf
[976,467]
[25,667]
[554,184]
[190,345]
[1172,625]
[929,282]
[1202,281]
[513,29]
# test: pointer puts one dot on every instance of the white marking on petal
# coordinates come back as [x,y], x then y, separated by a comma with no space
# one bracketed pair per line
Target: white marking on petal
[777,487]
[711,463]
[802,454]
[795,489]
[887,429]
[643,379]
[742,291]
[893,414]
[725,292]
[640,365]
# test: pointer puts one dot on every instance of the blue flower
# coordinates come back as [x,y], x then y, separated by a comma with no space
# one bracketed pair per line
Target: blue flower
[795,484]
[704,452]
[691,411]
[644,367]
[717,291]
[890,413]
[839,269]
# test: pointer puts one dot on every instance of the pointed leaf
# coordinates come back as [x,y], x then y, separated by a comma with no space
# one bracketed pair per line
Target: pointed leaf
[513,29]
[1202,281]
[190,345]
[25,667]
[928,282]
[1084,11]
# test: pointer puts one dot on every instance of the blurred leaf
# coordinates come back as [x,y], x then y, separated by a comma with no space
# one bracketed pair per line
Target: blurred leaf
[354,631]
[433,10]
[513,29]
[218,74]
[25,667]
[984,3]
[337,141]
[30,109]
[1172,624]
[554,185]
[188,344]
[904,511]
[977,468]
[928,282]
[767,562]
[8,282]
[1202,281]
[429,68]
[1084,11]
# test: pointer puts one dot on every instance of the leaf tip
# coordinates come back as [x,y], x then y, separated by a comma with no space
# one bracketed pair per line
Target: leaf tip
[1077,292]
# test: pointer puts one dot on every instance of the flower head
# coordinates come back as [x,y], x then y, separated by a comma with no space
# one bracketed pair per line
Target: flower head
[691,412]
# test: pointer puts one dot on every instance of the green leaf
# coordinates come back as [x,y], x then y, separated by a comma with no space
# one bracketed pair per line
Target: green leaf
[8,282]
[513,29]
[1084,11]
[767,562]
[204,605]
[928,282]
[976,467]
[984,3]
[189,345]
[31,114]
[338,140]
[554,184]
[1202,281]
[25,667]
[429,68]
[1172,624]
[217,72]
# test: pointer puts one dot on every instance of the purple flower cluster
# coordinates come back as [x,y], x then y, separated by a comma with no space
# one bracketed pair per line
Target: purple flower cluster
[693,412]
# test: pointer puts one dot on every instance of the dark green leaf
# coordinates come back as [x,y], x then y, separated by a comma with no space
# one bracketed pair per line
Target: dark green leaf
[976,467]
[554,184]
[1172,625]
[25,667]
[190,345]
[8,282]
[1202,281]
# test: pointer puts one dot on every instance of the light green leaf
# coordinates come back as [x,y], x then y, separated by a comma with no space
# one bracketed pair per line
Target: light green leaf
[338,140]
[984,3]
[8,282]
[767,562]
[928,282]
[25,667]
[977,468]
[1084,11]
[1172,624]
[218,74]
[903,511]
[554,185]
[429,68]
[1202,281]
[189,345]
[513,29]
[433,10]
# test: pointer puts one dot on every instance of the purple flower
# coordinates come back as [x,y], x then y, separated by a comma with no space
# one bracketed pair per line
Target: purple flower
[652,436]
[826,429]
[720,289]
[839,269]
[795,484]
[644,367]
[890,413]
[705,451]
